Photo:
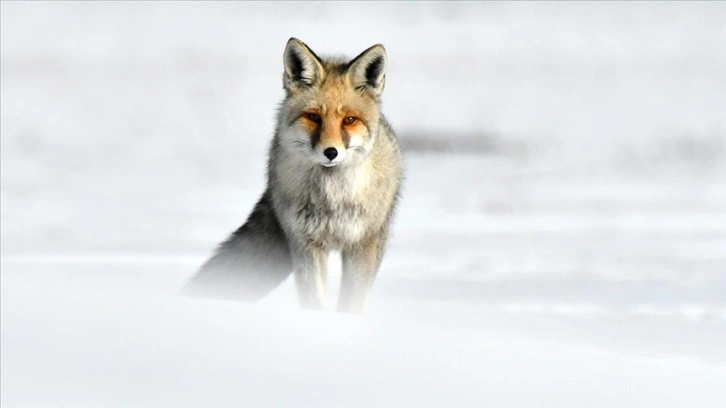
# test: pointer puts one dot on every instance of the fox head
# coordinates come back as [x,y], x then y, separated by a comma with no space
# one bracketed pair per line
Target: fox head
[331,111]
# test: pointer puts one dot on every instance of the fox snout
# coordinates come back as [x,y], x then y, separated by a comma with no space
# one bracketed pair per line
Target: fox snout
[330,156]
[330,135]
[331,153]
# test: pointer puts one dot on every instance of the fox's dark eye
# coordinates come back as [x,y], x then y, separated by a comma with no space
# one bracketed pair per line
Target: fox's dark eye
[349,120]
[313,117]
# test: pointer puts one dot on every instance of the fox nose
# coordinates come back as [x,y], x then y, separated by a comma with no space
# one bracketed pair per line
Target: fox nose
[330,153]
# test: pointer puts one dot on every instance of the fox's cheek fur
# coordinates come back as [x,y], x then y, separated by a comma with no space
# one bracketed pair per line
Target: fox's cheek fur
[359,138]
[356,130]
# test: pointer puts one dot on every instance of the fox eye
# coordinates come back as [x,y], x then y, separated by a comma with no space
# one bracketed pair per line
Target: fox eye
[349,120]
[313,117]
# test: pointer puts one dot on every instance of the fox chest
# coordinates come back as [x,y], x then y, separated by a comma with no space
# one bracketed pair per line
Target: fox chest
[333,212]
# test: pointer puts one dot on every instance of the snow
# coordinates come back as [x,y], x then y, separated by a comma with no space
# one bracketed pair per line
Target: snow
[560,240]
[114,333]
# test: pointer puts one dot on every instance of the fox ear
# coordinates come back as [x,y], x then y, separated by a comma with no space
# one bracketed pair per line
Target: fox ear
[368,70]
[302,67]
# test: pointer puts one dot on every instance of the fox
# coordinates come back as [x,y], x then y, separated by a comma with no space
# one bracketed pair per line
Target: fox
[334,174]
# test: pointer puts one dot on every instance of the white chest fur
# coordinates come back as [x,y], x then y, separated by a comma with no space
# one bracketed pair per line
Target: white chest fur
[329,205]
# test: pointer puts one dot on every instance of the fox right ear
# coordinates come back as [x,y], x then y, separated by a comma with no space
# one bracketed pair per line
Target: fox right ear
[368,70]
[302,67]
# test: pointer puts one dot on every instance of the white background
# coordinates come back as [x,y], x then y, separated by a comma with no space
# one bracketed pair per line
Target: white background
[561,239]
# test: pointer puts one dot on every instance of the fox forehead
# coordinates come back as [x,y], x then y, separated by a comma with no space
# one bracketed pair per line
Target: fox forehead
[335,95]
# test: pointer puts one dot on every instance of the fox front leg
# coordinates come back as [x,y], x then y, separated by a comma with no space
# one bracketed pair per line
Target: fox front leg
[310,264]
[360,266]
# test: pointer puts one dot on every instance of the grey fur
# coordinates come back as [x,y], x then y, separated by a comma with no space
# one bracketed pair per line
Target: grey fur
[251,262]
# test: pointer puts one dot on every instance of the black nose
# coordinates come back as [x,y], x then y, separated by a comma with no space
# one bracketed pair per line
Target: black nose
[330,153]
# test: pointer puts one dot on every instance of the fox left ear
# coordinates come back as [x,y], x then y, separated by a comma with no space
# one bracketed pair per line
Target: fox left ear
[302,67]
[368,70]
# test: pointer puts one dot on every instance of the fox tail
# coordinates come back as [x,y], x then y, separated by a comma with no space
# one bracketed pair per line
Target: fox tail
[253,261]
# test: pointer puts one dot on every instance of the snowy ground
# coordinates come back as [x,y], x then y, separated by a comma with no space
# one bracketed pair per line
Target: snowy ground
[561,239]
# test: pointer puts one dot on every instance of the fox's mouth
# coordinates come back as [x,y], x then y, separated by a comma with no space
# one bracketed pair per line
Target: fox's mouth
[329,164]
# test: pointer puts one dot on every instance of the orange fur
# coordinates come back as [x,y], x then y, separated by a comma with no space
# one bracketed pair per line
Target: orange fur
[334,100]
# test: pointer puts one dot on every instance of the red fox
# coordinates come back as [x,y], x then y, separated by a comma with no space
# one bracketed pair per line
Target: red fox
[333,181]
